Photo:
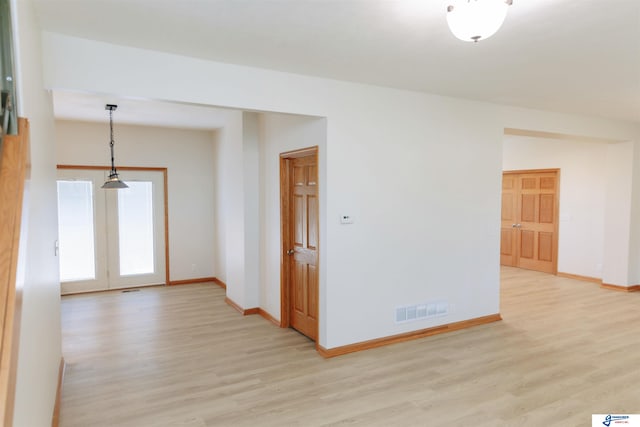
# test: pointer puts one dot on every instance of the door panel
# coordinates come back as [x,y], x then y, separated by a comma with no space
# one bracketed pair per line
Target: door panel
[527,242]
[545,246]
[299,300]
[312,221]
[530,211]
[312,298]
[546,208]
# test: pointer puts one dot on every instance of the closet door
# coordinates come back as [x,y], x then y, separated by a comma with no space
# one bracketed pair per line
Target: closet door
[529,232]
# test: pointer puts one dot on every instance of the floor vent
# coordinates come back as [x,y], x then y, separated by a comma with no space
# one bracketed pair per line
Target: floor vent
[410,313]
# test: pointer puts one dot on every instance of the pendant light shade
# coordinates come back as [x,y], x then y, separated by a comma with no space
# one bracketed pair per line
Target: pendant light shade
[473,20]
[113,181]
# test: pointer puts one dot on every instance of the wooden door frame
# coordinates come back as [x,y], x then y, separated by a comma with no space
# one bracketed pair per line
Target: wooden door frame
[556,214]
[166,201]
[286,240]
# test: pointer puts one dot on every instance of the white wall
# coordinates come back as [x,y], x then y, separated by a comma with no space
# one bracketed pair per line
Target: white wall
[634,232]
[188,156]
[229,207]
[40,335]
[618,165]
[280,133]
[582,195]
[419,173]
[251,191]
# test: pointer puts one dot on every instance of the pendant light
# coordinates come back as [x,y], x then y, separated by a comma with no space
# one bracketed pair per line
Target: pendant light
[113,181]
[473,20]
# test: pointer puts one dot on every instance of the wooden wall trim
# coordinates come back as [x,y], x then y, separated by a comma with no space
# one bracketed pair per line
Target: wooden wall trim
[608,286]
[268,317]
[55,420]
[167,273]
[239,309]
[579,277]
[394,339]
[14,169]
[233,305]
[219,283]
[191,281]
[632,288]
[251,311]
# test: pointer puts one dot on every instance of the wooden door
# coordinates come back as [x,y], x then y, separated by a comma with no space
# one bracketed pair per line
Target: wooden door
[529,231]
[508,230]
[300,243]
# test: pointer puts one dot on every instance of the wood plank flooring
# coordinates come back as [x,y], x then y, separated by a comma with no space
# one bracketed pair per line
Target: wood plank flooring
[179,356]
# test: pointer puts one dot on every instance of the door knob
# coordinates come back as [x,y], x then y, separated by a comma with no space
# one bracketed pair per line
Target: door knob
[290,252]
[518,225]
[513,226]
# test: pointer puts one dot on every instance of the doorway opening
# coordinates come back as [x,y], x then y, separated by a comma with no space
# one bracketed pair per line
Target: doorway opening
[112,239]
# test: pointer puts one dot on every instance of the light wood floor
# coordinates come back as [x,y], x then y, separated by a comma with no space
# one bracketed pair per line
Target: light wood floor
[180,357]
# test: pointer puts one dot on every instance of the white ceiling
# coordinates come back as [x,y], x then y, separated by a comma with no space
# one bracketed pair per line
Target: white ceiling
[91,107]
[574,56]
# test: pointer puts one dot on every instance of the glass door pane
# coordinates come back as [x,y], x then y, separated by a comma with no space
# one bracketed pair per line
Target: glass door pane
[81,229]
[135,228]
[76,231]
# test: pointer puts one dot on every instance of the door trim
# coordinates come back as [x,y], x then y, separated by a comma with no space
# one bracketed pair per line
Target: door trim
[285,234]
[166,202]
[556,213]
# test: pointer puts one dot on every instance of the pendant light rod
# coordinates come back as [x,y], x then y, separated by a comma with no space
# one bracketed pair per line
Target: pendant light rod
[113,181]
[111,108]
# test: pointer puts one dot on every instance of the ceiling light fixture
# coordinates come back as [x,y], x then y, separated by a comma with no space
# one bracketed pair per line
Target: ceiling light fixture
[113,181]
[473,20]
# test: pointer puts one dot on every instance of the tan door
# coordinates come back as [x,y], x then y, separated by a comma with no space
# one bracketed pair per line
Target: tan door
[508,230]
[529,231]
[300,238]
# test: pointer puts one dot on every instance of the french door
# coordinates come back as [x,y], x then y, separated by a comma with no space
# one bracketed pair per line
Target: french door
[110,239]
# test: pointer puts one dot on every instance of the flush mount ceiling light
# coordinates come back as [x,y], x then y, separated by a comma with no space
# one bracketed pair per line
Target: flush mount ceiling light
[473,20]
[113,181]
